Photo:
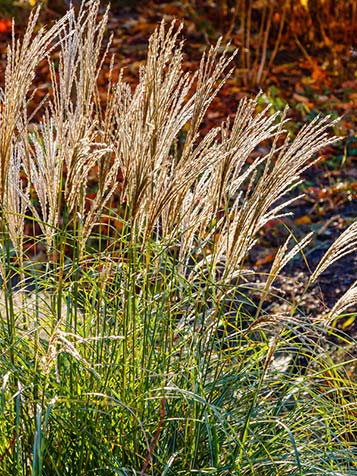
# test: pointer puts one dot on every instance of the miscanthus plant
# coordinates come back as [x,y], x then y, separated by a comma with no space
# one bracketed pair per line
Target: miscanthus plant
[134,340]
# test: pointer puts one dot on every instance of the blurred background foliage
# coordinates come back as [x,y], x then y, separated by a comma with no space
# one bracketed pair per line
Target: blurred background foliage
[264,30]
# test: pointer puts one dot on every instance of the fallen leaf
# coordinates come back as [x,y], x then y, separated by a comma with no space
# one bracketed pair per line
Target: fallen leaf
[5,25]
[265,260]
[304,220]
[300,98]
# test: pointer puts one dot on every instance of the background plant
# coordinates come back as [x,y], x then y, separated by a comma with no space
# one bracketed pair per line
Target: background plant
[265,29]
[145,346]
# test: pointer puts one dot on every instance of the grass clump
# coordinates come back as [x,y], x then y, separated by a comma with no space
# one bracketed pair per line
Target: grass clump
[134,340]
